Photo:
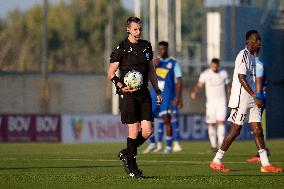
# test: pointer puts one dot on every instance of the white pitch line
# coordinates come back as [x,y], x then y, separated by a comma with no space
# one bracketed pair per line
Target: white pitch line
[113,160]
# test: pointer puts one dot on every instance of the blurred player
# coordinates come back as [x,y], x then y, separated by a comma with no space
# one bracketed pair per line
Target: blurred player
[156,144]
[134,104]
[216,83]
[169,79]
[261,79]
[245,105]
[176,130]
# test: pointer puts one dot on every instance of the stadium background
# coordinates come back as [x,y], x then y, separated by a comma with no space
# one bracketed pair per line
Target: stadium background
[53,59]
[54,91]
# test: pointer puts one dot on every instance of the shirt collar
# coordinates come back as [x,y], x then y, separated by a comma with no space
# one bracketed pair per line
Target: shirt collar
[165,60]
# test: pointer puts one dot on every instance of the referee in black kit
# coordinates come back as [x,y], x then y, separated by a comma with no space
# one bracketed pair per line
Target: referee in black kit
[135,104]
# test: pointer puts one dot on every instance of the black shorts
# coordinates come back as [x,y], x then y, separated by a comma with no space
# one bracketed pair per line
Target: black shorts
[135,108]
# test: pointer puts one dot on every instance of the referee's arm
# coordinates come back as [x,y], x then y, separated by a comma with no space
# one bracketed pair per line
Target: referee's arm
[111,72]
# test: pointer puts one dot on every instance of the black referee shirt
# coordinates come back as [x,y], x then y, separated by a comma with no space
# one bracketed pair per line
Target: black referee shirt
[133,56]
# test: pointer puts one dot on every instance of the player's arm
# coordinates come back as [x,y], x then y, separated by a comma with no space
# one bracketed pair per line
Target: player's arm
[259,80]
[178,87]
[153,79]
[227,86]
[112,76]
[198,87]
[244,83]
[228,91]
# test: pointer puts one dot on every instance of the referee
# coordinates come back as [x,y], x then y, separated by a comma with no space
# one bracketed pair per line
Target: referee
[135,104]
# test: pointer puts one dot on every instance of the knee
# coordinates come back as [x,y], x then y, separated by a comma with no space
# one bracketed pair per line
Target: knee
[147,132]
[167,120]
[258,132]
[235,132]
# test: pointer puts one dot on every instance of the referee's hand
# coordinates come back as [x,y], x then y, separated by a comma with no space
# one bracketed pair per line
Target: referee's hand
[128,89]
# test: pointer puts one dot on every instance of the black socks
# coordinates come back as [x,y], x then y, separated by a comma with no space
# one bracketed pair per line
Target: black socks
[140,139]
[131,153]
[132,145]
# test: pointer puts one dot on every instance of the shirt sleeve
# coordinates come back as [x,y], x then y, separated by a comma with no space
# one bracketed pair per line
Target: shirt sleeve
[116,55]
[259,71]
[227,80]
[177,71]
[202,77]
[242,62]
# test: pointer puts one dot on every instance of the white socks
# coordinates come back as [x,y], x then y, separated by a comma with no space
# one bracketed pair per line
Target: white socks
[221,134]
[218,157]
[262,153]
[212,136]
[263,157]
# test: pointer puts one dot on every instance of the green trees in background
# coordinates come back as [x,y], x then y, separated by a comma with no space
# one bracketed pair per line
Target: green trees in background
[76,36]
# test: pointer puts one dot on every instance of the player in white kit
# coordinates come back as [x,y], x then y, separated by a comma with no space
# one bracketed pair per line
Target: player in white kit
[216,83]
[245,105]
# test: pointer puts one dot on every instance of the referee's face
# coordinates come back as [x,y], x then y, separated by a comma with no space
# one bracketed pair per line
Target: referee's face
[135,31]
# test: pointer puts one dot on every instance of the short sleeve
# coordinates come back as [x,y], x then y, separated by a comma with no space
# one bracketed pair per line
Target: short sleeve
[226,78]
[202,77]
[177,71]
[116,55]
[259,69]
[242,62]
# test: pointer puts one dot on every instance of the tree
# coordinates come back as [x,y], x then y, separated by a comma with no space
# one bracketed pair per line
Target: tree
[76,36]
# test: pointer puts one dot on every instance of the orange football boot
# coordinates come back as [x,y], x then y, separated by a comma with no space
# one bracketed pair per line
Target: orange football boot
[270,169]
[254,159]
[219,167]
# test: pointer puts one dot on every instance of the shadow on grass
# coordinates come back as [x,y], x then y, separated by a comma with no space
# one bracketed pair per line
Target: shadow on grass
[208,176]
[59,167]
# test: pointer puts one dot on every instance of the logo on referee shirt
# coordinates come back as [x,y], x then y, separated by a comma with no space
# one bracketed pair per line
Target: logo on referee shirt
[147,56]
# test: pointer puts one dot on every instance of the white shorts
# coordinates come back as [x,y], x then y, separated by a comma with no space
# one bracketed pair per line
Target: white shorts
[215,111]
[243,115]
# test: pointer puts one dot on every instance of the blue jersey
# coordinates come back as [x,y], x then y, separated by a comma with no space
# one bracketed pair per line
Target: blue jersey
[167,71]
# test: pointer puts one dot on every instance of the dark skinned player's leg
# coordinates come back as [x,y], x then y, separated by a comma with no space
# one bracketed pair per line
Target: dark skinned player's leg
[258,135]
[260,143]
[233,133]
[169,130]
[168,125]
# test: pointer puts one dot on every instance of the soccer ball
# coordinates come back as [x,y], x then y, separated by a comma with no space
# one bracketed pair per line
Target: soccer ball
[133,79]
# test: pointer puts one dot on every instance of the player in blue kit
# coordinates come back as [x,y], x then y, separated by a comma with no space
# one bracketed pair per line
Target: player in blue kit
[169,80]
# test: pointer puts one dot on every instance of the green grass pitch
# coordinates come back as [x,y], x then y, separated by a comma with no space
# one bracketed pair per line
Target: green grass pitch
[97,166]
